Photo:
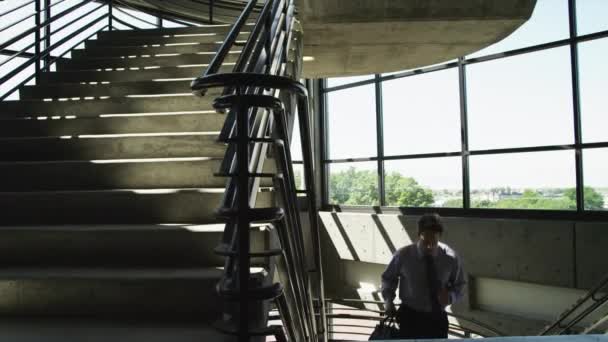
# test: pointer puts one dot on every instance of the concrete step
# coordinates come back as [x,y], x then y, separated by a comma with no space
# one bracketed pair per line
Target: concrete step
[161,40]
[112,105]
[118,245]
[140,51]
[218,29]
[114,89]
[111,147]
[110,292]
[142,62]
[115,206]
[158,74]
[111,174]
[144,124]
[74,329]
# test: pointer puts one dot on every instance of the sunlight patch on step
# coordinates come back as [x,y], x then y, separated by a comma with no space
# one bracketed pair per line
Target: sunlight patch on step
[157,95]
[152,67]
[172,79]
[174,191]
[191,35]
[216,227]
[157,114]
[149,160]
[180,44]
[167,54]
[137,135]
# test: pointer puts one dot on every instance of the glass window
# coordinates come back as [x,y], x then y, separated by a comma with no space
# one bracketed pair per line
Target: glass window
[595,175]
[428,182]
[353,183]
[535,180]
[352,122]
[420,67]
[591,16]
[549,22]
[593,75]
[18,23]
[296,143]
[338,81]
[422,113]
[521,101]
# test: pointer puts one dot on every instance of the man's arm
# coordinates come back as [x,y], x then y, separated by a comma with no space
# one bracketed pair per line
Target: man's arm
[457,282]
[390,279]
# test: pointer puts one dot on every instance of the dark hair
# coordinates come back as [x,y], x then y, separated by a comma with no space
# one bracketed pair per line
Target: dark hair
[431,221]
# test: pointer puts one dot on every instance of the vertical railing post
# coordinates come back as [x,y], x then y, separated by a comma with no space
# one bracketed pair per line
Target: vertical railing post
[242,154]
[268,45]
[47,33]
[109,15]
[210,11]
[37,8]
[159,22]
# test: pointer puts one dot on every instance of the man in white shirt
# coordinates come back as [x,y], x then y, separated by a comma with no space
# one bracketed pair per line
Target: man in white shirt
[430,277]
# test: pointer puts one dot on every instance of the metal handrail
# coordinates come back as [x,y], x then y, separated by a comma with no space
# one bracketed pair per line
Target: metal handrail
[134,17]
[31,15]
[265,52]
[17,8]
[596,303]
[47,22]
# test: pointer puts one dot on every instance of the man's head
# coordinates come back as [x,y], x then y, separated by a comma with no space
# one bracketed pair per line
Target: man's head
[430,229]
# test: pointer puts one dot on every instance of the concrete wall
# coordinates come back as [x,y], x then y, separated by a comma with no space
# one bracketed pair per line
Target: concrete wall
[560,255]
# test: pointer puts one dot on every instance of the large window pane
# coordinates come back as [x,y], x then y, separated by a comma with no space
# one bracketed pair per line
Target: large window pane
[338,81]
[428,182]
[596,178]
[353,183]
[593,74]
[549,22]
[521,101]
[352,122]
[537,180]
[591,16]
[422,113]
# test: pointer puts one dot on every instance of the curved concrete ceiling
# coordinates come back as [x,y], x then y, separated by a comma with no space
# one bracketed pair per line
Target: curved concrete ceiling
[346,37]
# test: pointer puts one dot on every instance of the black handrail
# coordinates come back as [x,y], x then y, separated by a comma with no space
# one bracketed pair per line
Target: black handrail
[595,304]
[25,33]
[18,21]
[134,17]
[265,55]
[17,8]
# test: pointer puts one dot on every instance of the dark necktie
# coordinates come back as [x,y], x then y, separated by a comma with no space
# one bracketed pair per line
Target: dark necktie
[433,281]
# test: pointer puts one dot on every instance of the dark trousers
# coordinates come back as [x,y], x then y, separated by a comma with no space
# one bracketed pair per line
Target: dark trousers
[415,324]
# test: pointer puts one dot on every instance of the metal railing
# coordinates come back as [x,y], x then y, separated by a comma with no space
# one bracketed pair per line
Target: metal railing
[261,97]
[40,37]
[585,307]
[471,328]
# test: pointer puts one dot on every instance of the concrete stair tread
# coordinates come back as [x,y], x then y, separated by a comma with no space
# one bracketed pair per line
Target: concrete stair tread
[78,329]
[161,40]
[139,273]
[112,105]
[130,161]
[161,73]
[113,147]
[17,128]
[221,28]
[165,60]
[115,89]
[120,51]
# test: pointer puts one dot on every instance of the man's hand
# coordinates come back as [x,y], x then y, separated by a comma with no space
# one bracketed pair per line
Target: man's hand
[389,309]
[444,297]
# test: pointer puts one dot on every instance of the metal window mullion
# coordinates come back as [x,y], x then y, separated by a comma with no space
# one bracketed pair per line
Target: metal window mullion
[380,140]
[576,106]
[323,143]
[110,15]
[464,133]
[47,32]
[37,38]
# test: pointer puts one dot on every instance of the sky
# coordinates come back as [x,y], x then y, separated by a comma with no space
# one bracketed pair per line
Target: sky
[518,101]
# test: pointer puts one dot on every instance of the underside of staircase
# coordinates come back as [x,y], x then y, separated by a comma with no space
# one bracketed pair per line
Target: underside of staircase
[108,194]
